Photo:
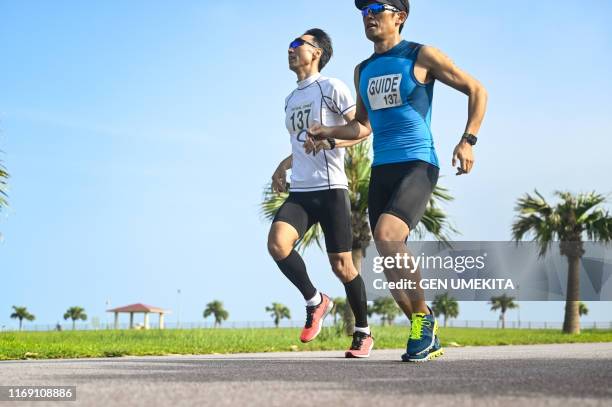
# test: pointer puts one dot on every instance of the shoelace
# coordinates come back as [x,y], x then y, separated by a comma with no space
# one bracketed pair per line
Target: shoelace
[358,338]
[416,329]
[310,309]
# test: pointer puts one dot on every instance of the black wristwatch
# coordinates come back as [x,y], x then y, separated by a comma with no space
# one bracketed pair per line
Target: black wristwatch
[470,138]
[332,143]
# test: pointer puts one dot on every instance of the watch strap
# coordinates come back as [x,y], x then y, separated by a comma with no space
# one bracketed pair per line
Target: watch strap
[470,138]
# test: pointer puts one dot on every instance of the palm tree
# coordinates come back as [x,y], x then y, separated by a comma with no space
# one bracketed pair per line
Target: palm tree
[567,222]
[357,165]
[22,313]
[387,308]
[502,303]
[215,308]
[75,313]
[445,305]
[582,309]
[278,312]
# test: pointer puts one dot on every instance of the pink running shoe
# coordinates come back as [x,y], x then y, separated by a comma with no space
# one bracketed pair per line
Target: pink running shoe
[361,346]
[314,318]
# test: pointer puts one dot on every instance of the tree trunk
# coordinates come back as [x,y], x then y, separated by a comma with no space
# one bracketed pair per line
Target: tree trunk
[20,323]
[571,321]
[503,320]
[444,320]
[73,324]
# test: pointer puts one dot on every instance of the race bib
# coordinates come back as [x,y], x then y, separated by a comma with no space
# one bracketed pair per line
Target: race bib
[384,91]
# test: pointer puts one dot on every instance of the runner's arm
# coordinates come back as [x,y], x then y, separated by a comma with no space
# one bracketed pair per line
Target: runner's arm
[279,178]
[356,129]
[286,163]
[442,68]
[348,143]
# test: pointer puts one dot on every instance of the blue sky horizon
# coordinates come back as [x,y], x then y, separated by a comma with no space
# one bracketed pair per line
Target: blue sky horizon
[139,137]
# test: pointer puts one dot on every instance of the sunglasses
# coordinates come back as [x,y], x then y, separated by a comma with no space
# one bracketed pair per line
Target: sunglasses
[377,8]
[298,42]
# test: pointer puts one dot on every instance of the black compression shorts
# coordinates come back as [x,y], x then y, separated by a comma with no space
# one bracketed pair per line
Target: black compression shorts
[401,189]
[330,208]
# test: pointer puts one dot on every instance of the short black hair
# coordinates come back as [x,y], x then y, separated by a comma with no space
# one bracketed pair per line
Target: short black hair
[324,42]
[407,14]
[407,2]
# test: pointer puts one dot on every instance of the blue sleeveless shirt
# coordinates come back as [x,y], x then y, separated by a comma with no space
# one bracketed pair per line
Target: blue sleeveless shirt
[398,105]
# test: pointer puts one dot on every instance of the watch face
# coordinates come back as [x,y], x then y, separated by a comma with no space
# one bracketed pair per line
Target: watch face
[471,139]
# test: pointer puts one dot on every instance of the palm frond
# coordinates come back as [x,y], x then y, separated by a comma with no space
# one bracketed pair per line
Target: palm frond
[312,236]
[357,166]
[574,216]
[271,202]
[441,194]
[537,217]
[586,203]
[598,226]
[435,221]
[22,313]
[445,305]
[75,313]
[529,204]
[215,308]
[502,302]
[270,205]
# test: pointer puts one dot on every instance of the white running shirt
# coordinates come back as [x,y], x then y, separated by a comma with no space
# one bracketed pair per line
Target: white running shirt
[323,100]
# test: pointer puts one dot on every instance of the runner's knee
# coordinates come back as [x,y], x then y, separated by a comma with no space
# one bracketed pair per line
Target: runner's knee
[384,233]
[343,268]
[278,247]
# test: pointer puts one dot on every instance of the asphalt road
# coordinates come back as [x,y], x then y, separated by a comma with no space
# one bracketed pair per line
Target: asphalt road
[542,375]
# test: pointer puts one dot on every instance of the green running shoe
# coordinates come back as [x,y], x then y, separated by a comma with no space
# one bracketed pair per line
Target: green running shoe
[423,343]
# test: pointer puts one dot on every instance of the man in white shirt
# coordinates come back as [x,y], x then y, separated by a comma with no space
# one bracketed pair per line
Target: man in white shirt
[318,189]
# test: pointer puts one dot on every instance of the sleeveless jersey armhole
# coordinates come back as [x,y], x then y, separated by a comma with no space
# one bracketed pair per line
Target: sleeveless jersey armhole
[418,47]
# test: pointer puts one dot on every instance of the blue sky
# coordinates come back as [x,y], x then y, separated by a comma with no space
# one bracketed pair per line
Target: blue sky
[139,136]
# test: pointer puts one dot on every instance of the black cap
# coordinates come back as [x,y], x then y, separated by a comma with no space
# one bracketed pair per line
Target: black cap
[401,5]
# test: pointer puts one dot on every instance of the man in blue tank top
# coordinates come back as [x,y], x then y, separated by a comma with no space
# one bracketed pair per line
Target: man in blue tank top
[394,95]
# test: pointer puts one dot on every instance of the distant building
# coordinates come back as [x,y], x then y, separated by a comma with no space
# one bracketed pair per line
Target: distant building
[139,309]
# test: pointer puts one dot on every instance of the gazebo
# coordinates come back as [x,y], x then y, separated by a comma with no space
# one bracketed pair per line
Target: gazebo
[139,309]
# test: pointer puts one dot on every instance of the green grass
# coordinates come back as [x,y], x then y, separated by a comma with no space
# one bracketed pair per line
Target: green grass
[82,344]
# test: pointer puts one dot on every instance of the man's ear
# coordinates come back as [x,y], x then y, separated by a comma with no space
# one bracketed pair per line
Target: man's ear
[403,16]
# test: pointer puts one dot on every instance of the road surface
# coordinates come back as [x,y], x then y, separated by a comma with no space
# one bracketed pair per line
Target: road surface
[542,375]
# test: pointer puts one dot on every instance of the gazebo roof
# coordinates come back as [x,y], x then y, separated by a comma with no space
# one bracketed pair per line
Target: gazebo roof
[139,308]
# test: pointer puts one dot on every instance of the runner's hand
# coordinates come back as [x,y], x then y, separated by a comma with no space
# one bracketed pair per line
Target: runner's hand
[319,131]
[463,152]
[314,146]
[322,145]
[310,145]
[279,180]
